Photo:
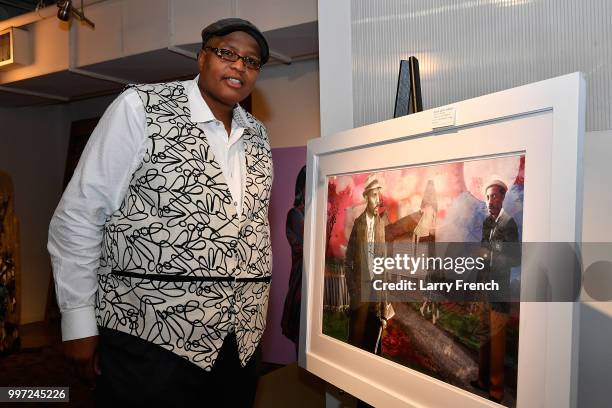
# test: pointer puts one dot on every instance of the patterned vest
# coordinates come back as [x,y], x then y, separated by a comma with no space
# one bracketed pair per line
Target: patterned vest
[179,267]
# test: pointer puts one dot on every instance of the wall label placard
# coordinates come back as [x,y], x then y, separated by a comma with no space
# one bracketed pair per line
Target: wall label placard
[444,117]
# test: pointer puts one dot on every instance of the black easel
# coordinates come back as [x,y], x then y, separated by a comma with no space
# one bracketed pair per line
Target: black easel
[408,97]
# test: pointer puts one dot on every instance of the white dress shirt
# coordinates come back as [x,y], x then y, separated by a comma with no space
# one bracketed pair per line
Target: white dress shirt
[496,222]
[370,240]
[97,188]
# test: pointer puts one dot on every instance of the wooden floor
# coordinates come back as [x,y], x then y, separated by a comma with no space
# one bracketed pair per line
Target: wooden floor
[290,386]
[40,334]
[39,362]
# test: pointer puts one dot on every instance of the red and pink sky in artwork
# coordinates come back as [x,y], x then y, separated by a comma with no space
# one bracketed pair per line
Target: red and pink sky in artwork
[402,190]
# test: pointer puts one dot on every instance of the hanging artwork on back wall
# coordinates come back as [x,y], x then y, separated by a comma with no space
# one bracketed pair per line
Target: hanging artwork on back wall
[10,277]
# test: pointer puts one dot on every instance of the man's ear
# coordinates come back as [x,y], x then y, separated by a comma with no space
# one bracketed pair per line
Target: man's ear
[200,58]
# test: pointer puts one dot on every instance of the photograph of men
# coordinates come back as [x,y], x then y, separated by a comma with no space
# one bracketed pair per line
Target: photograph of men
[367,241]
[498,229]
[449,204]
[160,244]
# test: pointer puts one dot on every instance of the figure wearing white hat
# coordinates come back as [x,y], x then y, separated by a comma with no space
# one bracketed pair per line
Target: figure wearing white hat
[367,241]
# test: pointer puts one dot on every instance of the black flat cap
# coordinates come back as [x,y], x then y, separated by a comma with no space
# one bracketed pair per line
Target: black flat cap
[229,25]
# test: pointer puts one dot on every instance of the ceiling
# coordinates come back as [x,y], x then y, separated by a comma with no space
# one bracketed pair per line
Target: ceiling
[12,8]
[296,42]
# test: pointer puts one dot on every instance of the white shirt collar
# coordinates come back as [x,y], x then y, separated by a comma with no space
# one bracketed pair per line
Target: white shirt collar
[499,215]
[200,112]
[369,218]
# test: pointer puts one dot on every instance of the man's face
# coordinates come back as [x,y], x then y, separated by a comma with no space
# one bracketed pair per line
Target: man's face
[228,82]
[495,199]
[373,201]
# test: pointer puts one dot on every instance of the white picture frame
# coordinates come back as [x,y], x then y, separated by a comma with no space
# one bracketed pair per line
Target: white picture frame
[546,121]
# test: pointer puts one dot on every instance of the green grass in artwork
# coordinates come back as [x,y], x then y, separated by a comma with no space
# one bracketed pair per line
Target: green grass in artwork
[512,341]
[462,326]
[335,324]
[455,320]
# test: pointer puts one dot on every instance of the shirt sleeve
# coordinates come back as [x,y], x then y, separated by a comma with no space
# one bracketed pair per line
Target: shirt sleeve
[96,190]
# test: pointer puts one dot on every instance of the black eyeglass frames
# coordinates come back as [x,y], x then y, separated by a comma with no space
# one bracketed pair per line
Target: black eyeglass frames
[231,56]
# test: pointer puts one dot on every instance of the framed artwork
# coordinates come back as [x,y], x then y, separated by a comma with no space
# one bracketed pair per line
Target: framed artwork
[498,170]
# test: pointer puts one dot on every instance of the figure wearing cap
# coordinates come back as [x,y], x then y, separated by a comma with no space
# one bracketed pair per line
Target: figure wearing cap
[499,231]
[366,242]
[160,244]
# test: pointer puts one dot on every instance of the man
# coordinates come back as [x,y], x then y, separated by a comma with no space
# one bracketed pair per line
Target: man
[161,239]
[367,241]
[499,231]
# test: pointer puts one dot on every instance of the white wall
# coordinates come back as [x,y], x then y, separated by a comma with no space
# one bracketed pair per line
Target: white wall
[335,62]
[286,99]
[465,49]
[595,360]
[33,148]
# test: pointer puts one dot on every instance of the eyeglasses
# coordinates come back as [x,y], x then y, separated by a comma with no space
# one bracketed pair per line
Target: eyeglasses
[231,56]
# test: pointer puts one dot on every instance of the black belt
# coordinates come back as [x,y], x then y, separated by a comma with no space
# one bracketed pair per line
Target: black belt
[179,278]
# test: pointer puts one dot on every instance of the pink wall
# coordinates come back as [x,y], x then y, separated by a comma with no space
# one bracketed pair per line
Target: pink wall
[288,161]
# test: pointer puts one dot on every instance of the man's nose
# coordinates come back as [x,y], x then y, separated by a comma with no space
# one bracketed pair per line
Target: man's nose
[239,65]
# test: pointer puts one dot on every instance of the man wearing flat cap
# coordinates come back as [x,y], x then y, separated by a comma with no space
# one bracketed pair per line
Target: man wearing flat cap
[500,239]
[160,244]
[366,242]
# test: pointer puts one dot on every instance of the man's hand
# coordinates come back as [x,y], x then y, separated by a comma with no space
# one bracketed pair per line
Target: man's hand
[82,356]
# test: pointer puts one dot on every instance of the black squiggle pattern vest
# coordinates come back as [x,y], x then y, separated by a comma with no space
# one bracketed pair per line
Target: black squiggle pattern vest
[179,267]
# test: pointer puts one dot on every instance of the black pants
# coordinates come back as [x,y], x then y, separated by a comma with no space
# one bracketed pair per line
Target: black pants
[364,327]
[138,373]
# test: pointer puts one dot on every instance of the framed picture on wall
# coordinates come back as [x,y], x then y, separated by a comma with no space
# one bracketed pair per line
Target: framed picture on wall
[457,183]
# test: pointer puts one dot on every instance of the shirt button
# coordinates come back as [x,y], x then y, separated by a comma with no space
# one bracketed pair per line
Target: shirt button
[235,204]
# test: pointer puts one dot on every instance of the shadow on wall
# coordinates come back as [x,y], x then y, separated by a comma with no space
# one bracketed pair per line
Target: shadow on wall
[286,100]
[595,359]
[276,348]
[259,100]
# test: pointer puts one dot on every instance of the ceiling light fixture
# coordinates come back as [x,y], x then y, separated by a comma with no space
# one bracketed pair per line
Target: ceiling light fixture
[66,10]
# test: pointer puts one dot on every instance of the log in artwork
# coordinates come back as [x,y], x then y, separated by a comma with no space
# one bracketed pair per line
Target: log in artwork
[471,344]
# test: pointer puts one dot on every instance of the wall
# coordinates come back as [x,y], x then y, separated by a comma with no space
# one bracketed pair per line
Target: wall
[49,42]
[465,48]
[471,48]
[595,359]
[33,154]
[33,147]
[288,161]
[286,99]
[335,66]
